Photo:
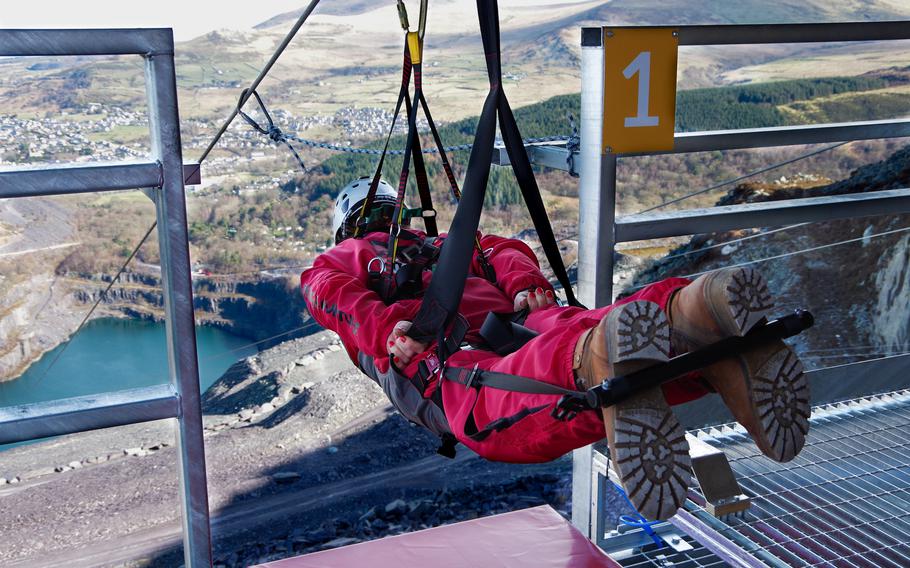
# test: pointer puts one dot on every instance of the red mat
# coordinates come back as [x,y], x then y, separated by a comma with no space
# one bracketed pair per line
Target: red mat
[531,538]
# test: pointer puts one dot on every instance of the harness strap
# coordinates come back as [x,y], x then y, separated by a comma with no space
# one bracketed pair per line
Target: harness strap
[361,224]
[476,378]
[441,301]
[423,182]
[521,165]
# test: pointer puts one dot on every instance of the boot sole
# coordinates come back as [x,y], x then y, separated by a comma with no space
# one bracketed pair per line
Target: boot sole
[779,392]
[650,453]
[780,395]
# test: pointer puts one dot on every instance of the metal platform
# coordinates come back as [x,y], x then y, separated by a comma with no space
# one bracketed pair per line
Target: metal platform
[844,501]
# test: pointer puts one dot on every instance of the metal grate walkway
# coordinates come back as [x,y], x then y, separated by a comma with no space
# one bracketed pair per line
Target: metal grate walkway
[844,501]
[665,557]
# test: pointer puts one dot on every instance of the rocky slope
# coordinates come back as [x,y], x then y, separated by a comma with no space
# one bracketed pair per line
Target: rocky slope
[859,291]
[258,308]
[42,309]
[35,305]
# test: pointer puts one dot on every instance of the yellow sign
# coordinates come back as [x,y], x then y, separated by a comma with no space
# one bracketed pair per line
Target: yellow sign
[639,89]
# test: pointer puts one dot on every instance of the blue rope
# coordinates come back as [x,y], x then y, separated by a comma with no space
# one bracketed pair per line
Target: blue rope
[637,520]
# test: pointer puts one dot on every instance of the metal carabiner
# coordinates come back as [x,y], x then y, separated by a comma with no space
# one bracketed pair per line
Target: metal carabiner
[403,18]
[381,266]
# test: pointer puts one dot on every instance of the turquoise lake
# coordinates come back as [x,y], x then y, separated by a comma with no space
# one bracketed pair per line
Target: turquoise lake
[115,354]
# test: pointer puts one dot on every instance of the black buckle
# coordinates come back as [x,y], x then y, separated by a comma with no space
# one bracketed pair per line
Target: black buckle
[570,405]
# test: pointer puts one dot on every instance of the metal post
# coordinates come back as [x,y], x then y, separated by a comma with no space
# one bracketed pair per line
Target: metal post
[591,230]
[595,222]
[183,369]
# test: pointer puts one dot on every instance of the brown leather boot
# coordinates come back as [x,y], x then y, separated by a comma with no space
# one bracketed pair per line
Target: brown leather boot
[648,447]
[764,388]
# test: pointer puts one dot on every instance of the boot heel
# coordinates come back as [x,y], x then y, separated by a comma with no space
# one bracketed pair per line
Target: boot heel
[637,331]
[649,450]
[738,299]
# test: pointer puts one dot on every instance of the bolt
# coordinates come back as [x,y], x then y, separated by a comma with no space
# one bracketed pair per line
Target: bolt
[609,33]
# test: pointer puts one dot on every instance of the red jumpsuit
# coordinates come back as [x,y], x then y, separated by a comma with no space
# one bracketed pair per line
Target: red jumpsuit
[499,425]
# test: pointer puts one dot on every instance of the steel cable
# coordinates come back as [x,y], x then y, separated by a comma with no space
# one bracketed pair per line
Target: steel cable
[744,176]
[789,254]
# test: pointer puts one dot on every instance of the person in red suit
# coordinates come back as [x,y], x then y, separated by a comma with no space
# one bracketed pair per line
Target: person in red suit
[574,348]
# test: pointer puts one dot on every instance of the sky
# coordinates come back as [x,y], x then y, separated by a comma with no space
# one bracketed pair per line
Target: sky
[189,18]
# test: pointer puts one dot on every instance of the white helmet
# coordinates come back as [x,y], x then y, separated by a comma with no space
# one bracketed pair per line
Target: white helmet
[349,201]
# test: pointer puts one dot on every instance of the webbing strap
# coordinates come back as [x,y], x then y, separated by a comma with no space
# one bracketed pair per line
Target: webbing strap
[377,175]
[477,378]
[441,301]
[388,278]
[423,182]
[521,165]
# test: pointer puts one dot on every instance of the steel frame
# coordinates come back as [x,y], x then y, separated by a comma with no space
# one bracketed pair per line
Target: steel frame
[600,229]
[164,183]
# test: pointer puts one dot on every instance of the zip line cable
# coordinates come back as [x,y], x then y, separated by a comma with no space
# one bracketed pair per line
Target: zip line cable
[696,251]
[265,70]
[744,176]
[255,343]
[275,134]
[734,241]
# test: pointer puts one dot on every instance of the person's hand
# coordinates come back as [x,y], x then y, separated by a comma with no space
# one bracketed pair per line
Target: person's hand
[401,347]
[534,299]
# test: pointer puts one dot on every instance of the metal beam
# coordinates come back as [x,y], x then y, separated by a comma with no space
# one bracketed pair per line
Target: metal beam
[834,384]
[70,415]
[765,214]
[720,545]
[21,182]
[30,182]
[554,155]
[793,33]
[782,33]
[711,140]
[595,247]
[180,325]
[138,41]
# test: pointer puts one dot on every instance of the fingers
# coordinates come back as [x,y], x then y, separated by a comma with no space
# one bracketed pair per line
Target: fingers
[539,299]
[403,349]
[521,301]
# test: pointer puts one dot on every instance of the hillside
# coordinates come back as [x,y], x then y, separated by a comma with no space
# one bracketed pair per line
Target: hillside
[857,291]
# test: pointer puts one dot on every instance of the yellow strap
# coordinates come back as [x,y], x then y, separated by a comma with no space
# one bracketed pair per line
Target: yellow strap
[414,46]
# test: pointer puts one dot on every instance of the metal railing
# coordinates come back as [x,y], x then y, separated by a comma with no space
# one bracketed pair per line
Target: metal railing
[162,180]
[600,228]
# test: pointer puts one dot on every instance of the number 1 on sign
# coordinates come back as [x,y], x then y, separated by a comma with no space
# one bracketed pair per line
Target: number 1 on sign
[641,65]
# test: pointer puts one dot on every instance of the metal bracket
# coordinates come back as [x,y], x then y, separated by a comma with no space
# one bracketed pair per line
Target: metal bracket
[723,495]
[550,155]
